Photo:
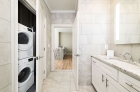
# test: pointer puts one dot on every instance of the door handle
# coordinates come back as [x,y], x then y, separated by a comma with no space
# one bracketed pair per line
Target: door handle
[41,57]
[102,78]
[132,86]
[77,55]
[106,82]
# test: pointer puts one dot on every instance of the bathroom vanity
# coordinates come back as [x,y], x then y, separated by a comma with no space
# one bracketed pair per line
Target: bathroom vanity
[114,75]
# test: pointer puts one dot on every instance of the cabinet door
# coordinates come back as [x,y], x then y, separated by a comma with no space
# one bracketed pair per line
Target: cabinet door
[113,86]
[98,79]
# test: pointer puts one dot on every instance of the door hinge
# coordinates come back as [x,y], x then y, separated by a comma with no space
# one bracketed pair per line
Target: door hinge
[44,72]
[44,49]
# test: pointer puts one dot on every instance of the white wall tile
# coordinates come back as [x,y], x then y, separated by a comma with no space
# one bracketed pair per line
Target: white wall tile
[85,39]
[71,15]
[6,89]
[5,9]
[85,18]
[5,34]
[100,39]
[5,55]
[56,21]
[136,51]
[61,15]
[106,8]
[86,8]
[97,8]
[102,18]
[67,21]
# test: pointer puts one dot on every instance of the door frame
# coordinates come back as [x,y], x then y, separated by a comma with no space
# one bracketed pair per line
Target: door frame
[53,43]
[14,45]
[45,34]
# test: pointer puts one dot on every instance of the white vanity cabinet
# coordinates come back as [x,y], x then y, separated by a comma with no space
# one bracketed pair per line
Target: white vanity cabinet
[98,78]
[113,86]
[105,78]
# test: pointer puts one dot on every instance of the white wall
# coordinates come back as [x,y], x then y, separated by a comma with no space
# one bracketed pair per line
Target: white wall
[65,40]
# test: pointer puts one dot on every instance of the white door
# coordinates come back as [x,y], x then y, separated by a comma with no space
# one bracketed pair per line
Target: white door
[40,43]
[76,53]
[113,86]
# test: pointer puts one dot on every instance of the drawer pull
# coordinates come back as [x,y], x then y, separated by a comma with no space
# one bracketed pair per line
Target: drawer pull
[102,78]
[132,87]
[106,83]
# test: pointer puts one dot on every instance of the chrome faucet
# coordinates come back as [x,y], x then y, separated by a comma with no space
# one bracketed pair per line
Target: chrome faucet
[130,56]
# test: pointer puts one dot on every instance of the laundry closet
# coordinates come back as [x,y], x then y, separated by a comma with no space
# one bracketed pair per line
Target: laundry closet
[26,47]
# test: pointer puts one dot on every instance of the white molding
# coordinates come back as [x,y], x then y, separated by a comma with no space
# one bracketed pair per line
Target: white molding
[53,26]
[62,11]
[47,5]
[14,45]
[29,5]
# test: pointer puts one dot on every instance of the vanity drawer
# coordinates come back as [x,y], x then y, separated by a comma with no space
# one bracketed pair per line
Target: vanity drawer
[129,83]
[112,72]
[96,62]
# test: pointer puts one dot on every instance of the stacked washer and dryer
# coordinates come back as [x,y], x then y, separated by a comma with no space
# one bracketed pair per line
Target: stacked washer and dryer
[25,57]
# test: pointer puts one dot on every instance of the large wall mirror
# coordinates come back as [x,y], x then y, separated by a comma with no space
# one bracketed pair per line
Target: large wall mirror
[126,22]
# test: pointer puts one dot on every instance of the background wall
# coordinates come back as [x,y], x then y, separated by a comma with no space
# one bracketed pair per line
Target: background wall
[62,18]
[65,40]
[5,46]
[47,14]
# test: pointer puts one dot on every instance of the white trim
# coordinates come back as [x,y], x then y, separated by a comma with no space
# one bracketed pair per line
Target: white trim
[14,44]
[29,5]
[47,5]
[53,41]
[62,11]
[45,39]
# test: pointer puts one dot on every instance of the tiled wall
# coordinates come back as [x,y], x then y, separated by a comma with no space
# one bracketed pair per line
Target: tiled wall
[62,18]
[129,9]
[5,48]
[47,14]
[94,34]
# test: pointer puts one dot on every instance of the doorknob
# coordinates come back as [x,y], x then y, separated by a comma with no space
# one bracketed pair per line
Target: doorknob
[76,55]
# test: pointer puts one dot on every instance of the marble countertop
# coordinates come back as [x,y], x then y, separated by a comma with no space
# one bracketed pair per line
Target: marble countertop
[125,67]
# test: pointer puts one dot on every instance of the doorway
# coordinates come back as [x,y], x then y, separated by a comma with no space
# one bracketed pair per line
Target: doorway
[61,47]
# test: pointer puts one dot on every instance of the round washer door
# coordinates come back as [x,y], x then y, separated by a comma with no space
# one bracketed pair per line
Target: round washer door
[25,40]
[24,75]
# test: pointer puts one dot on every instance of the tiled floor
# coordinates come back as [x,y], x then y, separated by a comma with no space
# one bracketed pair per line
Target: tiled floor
[63,82]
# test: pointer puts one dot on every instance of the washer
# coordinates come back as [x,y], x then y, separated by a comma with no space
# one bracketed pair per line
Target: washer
[25,74]
[25,42]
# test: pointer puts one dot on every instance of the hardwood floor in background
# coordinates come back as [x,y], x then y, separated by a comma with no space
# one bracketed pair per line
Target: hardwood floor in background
[65,64]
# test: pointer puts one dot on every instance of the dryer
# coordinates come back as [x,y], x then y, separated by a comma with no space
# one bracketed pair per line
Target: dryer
[25,74]
[25,42]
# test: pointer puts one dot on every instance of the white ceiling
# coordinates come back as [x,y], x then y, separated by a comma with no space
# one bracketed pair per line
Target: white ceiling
[61,5]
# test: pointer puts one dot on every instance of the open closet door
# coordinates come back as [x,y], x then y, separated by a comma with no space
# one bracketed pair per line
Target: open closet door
[39,47]
[76,49]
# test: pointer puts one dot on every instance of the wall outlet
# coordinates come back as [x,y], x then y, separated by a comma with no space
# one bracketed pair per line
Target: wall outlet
[106,46]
